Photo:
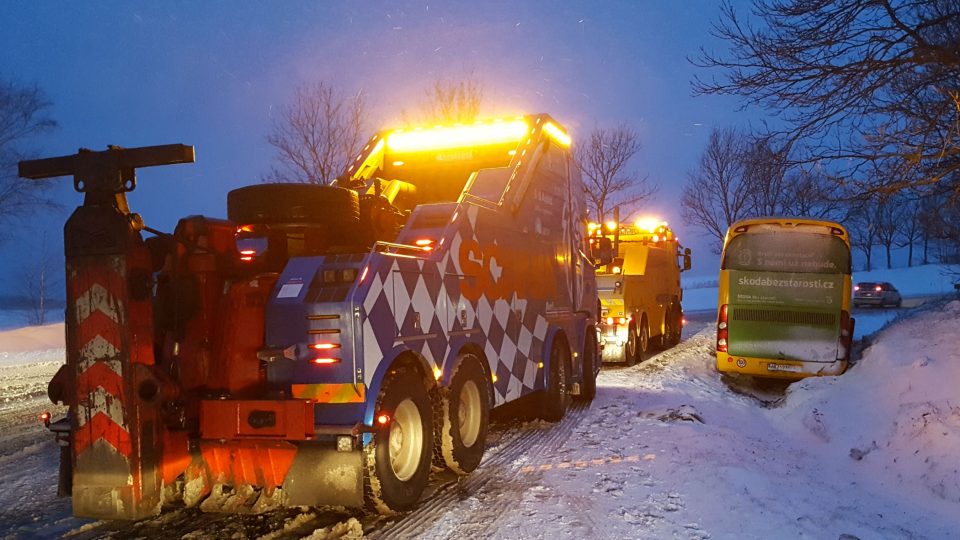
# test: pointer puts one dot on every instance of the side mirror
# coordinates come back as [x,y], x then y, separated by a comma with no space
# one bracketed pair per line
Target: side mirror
[686,259]
[601,251]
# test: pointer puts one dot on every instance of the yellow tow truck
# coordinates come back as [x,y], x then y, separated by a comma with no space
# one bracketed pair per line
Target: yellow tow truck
[640,293]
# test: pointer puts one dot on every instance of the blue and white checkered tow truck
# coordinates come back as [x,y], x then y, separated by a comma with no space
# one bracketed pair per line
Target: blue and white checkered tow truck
[451,275]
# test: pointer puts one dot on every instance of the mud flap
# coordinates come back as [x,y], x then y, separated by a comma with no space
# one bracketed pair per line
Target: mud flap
[322,476]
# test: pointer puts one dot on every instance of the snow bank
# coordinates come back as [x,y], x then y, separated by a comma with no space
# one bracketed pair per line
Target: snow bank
[896,414]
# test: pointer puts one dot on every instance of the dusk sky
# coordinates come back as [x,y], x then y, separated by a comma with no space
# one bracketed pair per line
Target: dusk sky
[213,75]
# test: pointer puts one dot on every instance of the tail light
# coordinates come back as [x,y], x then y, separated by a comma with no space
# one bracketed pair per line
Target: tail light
[722,332]
[45,418]
[609,320]
[325,361]
[856,287]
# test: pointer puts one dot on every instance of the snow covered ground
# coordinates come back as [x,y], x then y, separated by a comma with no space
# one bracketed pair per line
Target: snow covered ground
[667,449]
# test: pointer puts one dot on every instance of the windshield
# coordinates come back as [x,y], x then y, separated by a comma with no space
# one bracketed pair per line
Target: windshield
[787,252]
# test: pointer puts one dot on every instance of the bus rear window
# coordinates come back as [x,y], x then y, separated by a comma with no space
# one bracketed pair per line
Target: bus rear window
[787,252]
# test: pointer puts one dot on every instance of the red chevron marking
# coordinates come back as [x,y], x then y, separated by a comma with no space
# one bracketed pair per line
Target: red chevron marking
[97,324]
[103,427]
[102,375]
[94,272]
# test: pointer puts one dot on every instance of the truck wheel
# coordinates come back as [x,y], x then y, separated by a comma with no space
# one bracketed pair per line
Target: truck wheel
[588,388]
[465,413]
[313,204]
[674,328]
[630,349]
[555,398]
[643,341]
[398,459]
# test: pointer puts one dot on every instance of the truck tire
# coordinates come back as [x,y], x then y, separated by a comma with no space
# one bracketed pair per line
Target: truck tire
[643,341]
[399,458]
[630,355]
[588,388]
[311,204]
[673,328]
[465,415]
[555,397]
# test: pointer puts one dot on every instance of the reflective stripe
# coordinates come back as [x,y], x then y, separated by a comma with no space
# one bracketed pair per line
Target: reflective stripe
[330,393]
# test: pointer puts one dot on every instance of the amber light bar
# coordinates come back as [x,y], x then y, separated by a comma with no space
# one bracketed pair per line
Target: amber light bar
[443,137]
[557,134]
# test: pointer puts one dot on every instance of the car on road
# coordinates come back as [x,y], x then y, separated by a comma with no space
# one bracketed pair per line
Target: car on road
[878,294]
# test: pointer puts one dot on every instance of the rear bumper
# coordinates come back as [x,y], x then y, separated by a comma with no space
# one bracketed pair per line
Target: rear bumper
[306,473]
[613,339]
[777,369]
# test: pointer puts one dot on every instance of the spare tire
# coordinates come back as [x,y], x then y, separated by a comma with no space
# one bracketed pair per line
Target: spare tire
[312,204]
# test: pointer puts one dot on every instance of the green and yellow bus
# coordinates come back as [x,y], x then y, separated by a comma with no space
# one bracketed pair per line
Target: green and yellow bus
[784,302]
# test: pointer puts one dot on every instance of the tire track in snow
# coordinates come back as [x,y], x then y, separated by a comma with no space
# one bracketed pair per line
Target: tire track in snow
[498,475]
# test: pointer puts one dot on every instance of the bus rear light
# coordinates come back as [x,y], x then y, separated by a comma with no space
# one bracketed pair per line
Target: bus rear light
[722,329]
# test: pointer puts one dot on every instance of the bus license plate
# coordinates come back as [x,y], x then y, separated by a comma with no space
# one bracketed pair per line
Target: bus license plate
[784,367]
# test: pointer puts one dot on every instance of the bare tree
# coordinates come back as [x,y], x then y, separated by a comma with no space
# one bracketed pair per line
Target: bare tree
[603,160]
[453,101]
[815,195]
[23,116]
[39,280]
[911,228]
[317,135]
[717,192]
[863,224]
[765,171]
[889,216]
[862,81]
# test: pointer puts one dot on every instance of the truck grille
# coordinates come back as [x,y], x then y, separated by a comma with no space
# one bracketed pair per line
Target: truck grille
[782,316]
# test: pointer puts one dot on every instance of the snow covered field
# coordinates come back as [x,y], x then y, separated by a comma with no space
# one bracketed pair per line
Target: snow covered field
[668,449]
